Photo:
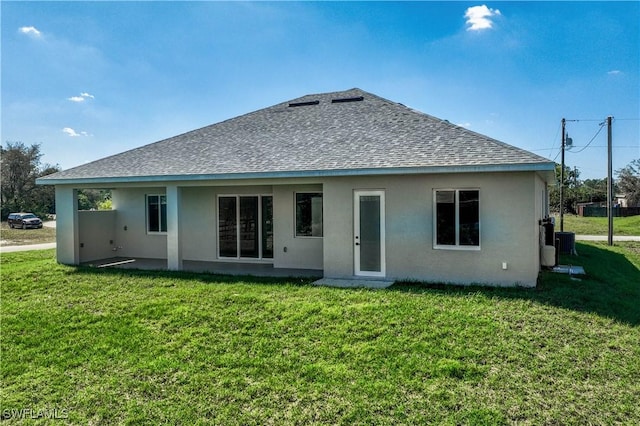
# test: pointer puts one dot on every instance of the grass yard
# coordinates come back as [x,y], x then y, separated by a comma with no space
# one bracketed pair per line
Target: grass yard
[20,237]
[116,346]
[600,225]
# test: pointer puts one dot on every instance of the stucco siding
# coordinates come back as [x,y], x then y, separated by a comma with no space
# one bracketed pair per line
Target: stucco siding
[132,238]
[507,223]
[198,217]
[291,251]
[97,234]
[67,244]
[511,204]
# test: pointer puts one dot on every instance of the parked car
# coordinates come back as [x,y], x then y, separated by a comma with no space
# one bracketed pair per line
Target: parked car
[24,220]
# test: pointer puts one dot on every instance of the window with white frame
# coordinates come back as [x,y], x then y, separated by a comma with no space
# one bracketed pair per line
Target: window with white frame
[308,214]
[457,218]
[156,213]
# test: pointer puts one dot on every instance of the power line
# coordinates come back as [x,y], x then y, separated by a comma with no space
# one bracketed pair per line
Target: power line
[599,146]
[592,139]
[543,149]
[583,119]
[553,147]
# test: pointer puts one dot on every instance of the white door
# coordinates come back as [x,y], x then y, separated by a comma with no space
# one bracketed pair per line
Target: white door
[368,233]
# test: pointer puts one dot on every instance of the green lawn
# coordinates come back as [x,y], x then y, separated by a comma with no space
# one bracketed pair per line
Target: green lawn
[599,225]
[19,237]
[115,346]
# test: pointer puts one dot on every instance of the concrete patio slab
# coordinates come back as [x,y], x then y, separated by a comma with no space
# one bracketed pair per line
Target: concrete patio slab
[224,268]
[353,283]
[569,269]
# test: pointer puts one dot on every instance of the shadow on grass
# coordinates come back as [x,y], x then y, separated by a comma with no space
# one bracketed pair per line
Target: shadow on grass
[610,289]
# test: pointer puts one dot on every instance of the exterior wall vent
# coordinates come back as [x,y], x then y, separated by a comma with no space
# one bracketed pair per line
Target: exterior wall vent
[298,104]
[343,100]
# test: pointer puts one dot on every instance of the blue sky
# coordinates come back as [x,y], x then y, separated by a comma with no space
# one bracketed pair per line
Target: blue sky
[90,79]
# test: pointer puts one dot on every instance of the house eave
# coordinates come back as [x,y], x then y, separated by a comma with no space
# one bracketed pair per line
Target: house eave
[542,168]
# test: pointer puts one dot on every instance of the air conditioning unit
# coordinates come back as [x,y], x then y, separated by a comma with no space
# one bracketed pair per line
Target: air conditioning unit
[566,242]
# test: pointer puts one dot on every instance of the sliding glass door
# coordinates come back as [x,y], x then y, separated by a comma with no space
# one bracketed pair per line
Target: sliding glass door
[245,226]
[227,227]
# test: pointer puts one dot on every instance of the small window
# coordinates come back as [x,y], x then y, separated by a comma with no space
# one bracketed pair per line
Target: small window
[309,214]
[156,213]
[457,218]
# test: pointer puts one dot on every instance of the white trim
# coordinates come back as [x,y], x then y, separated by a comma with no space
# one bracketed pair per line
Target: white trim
[356,230]
[457,245]
[239,258]
[489,168]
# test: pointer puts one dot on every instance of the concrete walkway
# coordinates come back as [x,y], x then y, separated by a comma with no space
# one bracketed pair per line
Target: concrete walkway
[605,238]
[27,247]
[353,283]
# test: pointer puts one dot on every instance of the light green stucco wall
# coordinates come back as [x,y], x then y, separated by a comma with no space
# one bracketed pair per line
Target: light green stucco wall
[508,221]
[132,239]
[511,204]
[198,218]
[97,234]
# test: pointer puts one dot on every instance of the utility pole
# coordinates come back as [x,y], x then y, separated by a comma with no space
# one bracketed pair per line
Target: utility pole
[609,183]
[562,180]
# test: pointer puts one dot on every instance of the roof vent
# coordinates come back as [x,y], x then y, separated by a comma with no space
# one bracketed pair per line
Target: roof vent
[342,100]
[298,104]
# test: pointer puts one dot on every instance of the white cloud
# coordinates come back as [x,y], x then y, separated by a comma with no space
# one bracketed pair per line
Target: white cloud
[614,72]
[69,131]
[72,133]
[466,124]
[30,31]
[83,96]
[478,17]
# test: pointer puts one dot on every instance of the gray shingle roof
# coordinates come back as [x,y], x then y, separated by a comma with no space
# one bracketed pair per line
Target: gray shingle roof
[371,135]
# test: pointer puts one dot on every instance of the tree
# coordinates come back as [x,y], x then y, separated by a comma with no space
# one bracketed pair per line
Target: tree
[593,190]
[94,199]
[629,182]
[570,194]
[20,167]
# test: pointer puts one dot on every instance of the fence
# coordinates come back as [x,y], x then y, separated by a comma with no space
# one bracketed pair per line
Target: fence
[589,211]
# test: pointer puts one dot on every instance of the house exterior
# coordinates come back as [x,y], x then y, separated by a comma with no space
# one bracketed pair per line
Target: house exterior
[345,183]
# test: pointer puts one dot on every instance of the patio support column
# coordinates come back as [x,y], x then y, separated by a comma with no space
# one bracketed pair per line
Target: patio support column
[174,243]
[67,234]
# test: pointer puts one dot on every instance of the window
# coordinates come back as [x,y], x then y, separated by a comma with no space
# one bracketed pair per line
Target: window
[245,226]
[457,218]
[156,213]
[309,214]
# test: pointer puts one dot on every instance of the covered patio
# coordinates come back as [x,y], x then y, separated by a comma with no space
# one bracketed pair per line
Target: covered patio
[223,268]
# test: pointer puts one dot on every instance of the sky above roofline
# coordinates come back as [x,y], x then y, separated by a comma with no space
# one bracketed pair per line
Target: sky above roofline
[91,79]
